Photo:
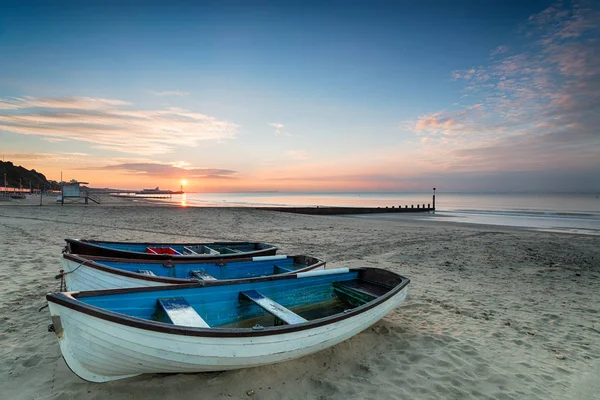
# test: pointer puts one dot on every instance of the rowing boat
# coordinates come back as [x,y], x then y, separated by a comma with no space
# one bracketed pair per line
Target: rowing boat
[175,251]
[83,272]
[218,325]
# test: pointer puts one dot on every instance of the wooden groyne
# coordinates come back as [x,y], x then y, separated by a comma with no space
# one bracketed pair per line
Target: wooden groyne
[419,208]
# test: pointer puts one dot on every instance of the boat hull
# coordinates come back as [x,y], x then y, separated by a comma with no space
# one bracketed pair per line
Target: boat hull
[98,350]
[80,277]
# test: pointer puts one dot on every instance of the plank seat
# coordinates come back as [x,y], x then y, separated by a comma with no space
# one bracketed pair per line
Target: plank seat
[212,251]
[178,311]
[187,250]
[228,250]
[145,272]
[282,270]
[202,275]
[276,309]
[362,292]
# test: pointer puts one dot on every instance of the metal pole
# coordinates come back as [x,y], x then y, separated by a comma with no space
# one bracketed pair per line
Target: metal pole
[433,199]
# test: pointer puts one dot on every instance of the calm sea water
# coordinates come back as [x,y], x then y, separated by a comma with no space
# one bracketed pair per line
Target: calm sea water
[575,213]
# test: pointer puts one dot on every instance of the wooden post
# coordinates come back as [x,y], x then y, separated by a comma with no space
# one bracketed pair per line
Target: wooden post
[40,195]
[433,199]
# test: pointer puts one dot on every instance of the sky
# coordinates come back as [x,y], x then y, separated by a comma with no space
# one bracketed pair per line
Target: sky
[462,95]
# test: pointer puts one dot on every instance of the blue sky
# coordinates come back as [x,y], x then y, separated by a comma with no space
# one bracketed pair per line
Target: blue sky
[341,96]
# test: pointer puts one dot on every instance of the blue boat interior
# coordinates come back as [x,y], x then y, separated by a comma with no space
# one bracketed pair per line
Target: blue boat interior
[180,249]
[209,271]
[245,305]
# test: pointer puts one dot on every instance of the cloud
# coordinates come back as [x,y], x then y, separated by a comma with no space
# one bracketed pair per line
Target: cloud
[168,170]
[537,108]
[74,103]
[109,124]
[435,122]
[279,129]
[499,50]
[298,154]
[71,158]
[170,93]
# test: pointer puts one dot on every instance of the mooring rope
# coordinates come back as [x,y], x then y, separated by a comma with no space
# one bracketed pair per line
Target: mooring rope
[62,274]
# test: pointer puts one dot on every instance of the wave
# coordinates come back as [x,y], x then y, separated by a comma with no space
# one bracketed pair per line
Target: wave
[527,213]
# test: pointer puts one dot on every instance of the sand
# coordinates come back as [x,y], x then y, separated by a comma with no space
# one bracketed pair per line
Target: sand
[492,312]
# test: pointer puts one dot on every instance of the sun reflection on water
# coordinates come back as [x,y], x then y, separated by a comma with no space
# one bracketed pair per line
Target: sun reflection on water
[184,200]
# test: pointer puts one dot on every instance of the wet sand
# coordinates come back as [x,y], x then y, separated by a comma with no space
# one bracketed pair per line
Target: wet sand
[492,312]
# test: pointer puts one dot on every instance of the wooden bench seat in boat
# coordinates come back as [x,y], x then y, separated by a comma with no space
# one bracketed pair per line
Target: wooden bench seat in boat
[272,307]
[227,250]
[210,250]
[187,250]
[360,291]
[178,311]
[202,275]
[282,270]
[145,272]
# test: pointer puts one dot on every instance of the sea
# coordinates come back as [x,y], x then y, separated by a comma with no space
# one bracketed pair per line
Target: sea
[556,212]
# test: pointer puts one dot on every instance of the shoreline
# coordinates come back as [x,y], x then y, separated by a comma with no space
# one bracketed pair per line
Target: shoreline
[587,227]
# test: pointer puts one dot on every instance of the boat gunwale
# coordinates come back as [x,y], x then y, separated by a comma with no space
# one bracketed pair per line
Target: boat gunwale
[69,300]
[93,244]
[87,262]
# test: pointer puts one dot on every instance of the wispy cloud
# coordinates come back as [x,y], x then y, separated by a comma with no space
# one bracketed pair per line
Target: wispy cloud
[73,103]
[279,131]
[298,154]
[73,159]
[278,127]
[170,93]
[168,170]
[532,109]
[499,50]
[110,124]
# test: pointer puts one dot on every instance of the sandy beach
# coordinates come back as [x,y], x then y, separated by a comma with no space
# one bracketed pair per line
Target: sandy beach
[492,312]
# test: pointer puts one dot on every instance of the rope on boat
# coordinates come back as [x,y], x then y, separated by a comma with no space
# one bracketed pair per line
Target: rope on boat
[62,274]
[63,284]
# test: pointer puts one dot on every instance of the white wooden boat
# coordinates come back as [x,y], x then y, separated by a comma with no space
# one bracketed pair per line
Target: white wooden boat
[81,272]
[218,325]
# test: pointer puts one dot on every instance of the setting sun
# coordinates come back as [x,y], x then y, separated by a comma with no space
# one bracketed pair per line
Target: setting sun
[184,182]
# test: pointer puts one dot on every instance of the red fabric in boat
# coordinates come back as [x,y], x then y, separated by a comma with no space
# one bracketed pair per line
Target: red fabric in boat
[161,250]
